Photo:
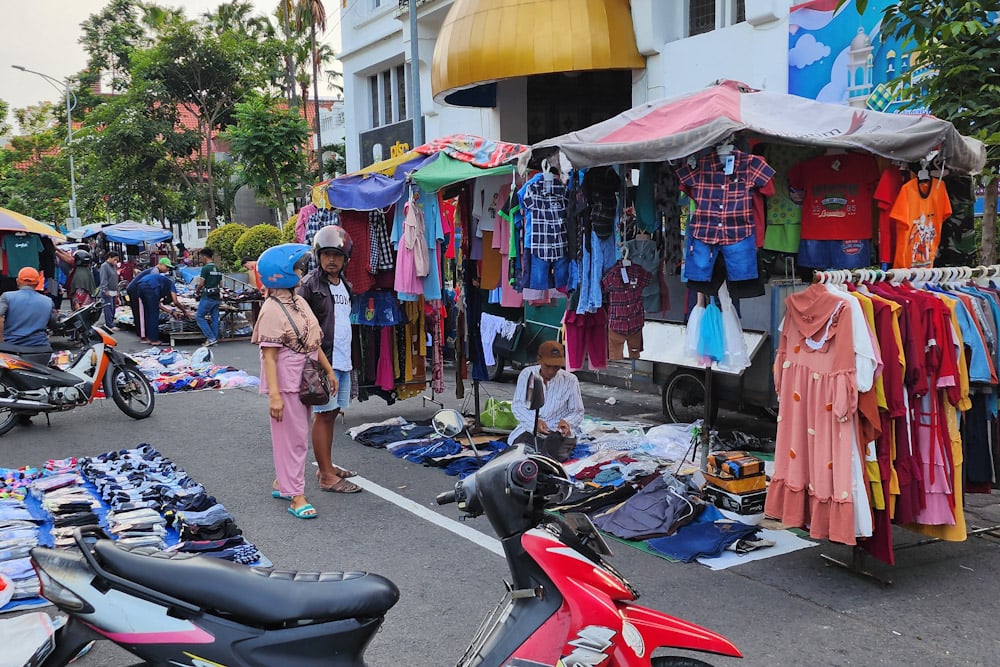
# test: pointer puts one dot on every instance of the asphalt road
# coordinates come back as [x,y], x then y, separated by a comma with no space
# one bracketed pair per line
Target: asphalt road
[788,610]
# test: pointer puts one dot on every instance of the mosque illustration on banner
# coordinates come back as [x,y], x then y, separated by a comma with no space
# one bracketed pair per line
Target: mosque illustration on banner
[839,56]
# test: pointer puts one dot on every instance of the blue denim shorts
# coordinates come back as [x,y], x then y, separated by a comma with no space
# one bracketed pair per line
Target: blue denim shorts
[547,274]
[342,399]
[741,259]
[835,254]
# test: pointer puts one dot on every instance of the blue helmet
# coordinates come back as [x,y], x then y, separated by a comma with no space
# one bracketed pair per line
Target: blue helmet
[277,264]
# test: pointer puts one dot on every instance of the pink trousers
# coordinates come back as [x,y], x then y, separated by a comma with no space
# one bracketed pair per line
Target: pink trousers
[586,336]
[290,443]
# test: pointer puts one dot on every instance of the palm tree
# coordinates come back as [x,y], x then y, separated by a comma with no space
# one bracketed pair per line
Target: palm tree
[238,15]
[313,12]
[283,13]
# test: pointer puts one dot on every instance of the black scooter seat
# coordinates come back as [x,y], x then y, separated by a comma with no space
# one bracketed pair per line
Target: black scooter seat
[256,596]
[25,349]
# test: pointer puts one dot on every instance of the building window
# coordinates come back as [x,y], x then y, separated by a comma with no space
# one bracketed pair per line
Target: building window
[402,84]
[701,16]
[388,90]
[741,11]
[373,86]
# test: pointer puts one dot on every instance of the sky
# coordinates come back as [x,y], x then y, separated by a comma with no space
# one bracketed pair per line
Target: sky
[44,35]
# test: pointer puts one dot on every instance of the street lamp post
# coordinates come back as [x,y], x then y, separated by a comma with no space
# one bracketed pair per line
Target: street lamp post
[69,132]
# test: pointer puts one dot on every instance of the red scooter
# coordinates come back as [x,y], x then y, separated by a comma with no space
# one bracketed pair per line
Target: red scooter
[565,605]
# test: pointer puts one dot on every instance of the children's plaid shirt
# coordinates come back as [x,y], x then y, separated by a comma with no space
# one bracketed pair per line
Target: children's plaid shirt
[724,213]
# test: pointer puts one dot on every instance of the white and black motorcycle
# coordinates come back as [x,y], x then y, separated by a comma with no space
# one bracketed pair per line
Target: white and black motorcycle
[29,385]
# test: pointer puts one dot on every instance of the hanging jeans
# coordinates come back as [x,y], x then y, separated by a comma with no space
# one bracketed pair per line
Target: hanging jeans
[596,262]
[208,318]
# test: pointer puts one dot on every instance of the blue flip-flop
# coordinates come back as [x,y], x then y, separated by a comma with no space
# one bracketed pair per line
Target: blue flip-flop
[301,512]
[277,494]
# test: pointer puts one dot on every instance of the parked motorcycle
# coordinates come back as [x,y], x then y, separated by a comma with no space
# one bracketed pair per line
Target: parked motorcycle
[30,386]
[565,605]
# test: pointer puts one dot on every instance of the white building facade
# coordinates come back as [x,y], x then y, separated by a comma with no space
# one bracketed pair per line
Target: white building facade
[528,91]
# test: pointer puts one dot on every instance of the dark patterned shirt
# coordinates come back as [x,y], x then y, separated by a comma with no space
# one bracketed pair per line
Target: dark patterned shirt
[725,202]
[625,312]
[545,202]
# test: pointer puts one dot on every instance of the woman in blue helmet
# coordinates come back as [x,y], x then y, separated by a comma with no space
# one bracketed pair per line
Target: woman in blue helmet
[287,333]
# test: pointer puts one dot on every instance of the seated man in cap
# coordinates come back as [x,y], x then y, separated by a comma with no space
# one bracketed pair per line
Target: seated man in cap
[563,410]
[26,313]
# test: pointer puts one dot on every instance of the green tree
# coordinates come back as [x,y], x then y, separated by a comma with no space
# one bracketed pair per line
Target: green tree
[288,230]
[336,165]
[958,40]
[223,241]
[4,125]
[256,240]
[266,142]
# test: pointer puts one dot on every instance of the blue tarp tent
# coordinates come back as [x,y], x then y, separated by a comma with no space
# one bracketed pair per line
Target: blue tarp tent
[134,233]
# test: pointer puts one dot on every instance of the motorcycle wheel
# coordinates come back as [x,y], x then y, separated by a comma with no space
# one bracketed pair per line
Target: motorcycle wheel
[677,661]
[8,417]
[130,391]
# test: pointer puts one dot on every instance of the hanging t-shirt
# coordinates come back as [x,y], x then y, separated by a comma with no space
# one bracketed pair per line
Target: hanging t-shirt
[837,192]
[889,185]
[434,234]
[919,212]
[22,250]
[341,327]
[784,216]
[486,202]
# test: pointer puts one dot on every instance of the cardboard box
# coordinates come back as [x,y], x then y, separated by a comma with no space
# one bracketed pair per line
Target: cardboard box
[734,465]
[743,485]
[741,503]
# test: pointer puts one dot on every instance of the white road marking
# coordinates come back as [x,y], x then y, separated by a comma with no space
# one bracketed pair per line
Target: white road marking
[457,527]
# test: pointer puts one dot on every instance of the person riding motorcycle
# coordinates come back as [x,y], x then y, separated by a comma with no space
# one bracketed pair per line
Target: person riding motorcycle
[26,313]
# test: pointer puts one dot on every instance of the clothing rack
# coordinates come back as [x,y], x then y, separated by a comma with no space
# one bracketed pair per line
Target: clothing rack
[939,275]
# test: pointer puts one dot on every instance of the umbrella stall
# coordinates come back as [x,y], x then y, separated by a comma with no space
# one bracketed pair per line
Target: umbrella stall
[26,242]
[732,200]
[405,320]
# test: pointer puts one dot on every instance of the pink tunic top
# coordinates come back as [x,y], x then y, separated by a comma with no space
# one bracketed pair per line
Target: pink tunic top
[816,379]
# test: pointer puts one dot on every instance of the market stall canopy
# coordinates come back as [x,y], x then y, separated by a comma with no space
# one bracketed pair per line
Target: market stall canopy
[387,167]
[85,232]
[475,150]
[485,41]
[676,127]
[446,170]
[134,233]
[364,192]
[12,221]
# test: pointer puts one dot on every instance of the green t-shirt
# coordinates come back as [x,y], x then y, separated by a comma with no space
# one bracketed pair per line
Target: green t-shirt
[211,275]
[784,217]
[22,250]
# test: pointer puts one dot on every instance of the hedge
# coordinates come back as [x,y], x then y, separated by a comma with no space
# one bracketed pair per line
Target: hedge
[256,240]
[223,241]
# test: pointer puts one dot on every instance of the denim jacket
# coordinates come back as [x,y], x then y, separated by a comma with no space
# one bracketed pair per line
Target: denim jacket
[315,289]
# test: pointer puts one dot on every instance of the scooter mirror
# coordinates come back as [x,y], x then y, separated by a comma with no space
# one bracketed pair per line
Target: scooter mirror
[536,393]
[448,423]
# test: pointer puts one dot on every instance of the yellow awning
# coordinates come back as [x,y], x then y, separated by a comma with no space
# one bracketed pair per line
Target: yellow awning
[483,41]
[387,167]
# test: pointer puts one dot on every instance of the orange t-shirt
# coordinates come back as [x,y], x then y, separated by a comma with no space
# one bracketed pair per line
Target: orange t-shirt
[919,212]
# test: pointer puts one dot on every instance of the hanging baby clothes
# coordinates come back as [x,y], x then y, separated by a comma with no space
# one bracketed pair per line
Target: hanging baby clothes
[427,204]
[919,211]
[645,253]
[300,224]
[816,380]
[624,285]
[412,243]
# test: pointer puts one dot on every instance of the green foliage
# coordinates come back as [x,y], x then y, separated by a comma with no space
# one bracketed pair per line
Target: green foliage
[336,164]
[223,241]
[256,240]
[267,142]
[288,230]
[957,41]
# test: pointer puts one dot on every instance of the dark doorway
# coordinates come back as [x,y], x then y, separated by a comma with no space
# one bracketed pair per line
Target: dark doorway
[561,103]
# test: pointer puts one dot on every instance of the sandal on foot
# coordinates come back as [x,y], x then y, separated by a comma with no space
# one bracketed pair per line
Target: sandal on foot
[343,486]
[344,474]
[277,494]
[306,511]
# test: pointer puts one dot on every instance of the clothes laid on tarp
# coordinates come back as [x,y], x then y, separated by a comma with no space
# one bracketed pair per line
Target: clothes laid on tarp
[887,414]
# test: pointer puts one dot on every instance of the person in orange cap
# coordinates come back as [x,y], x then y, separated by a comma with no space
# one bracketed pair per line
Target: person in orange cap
[26,313]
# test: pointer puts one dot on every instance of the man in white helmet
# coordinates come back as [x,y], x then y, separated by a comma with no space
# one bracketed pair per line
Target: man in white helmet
[329,296]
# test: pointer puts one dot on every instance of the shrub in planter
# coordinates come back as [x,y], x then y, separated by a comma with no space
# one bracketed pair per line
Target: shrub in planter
[223,241]
[256,240]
